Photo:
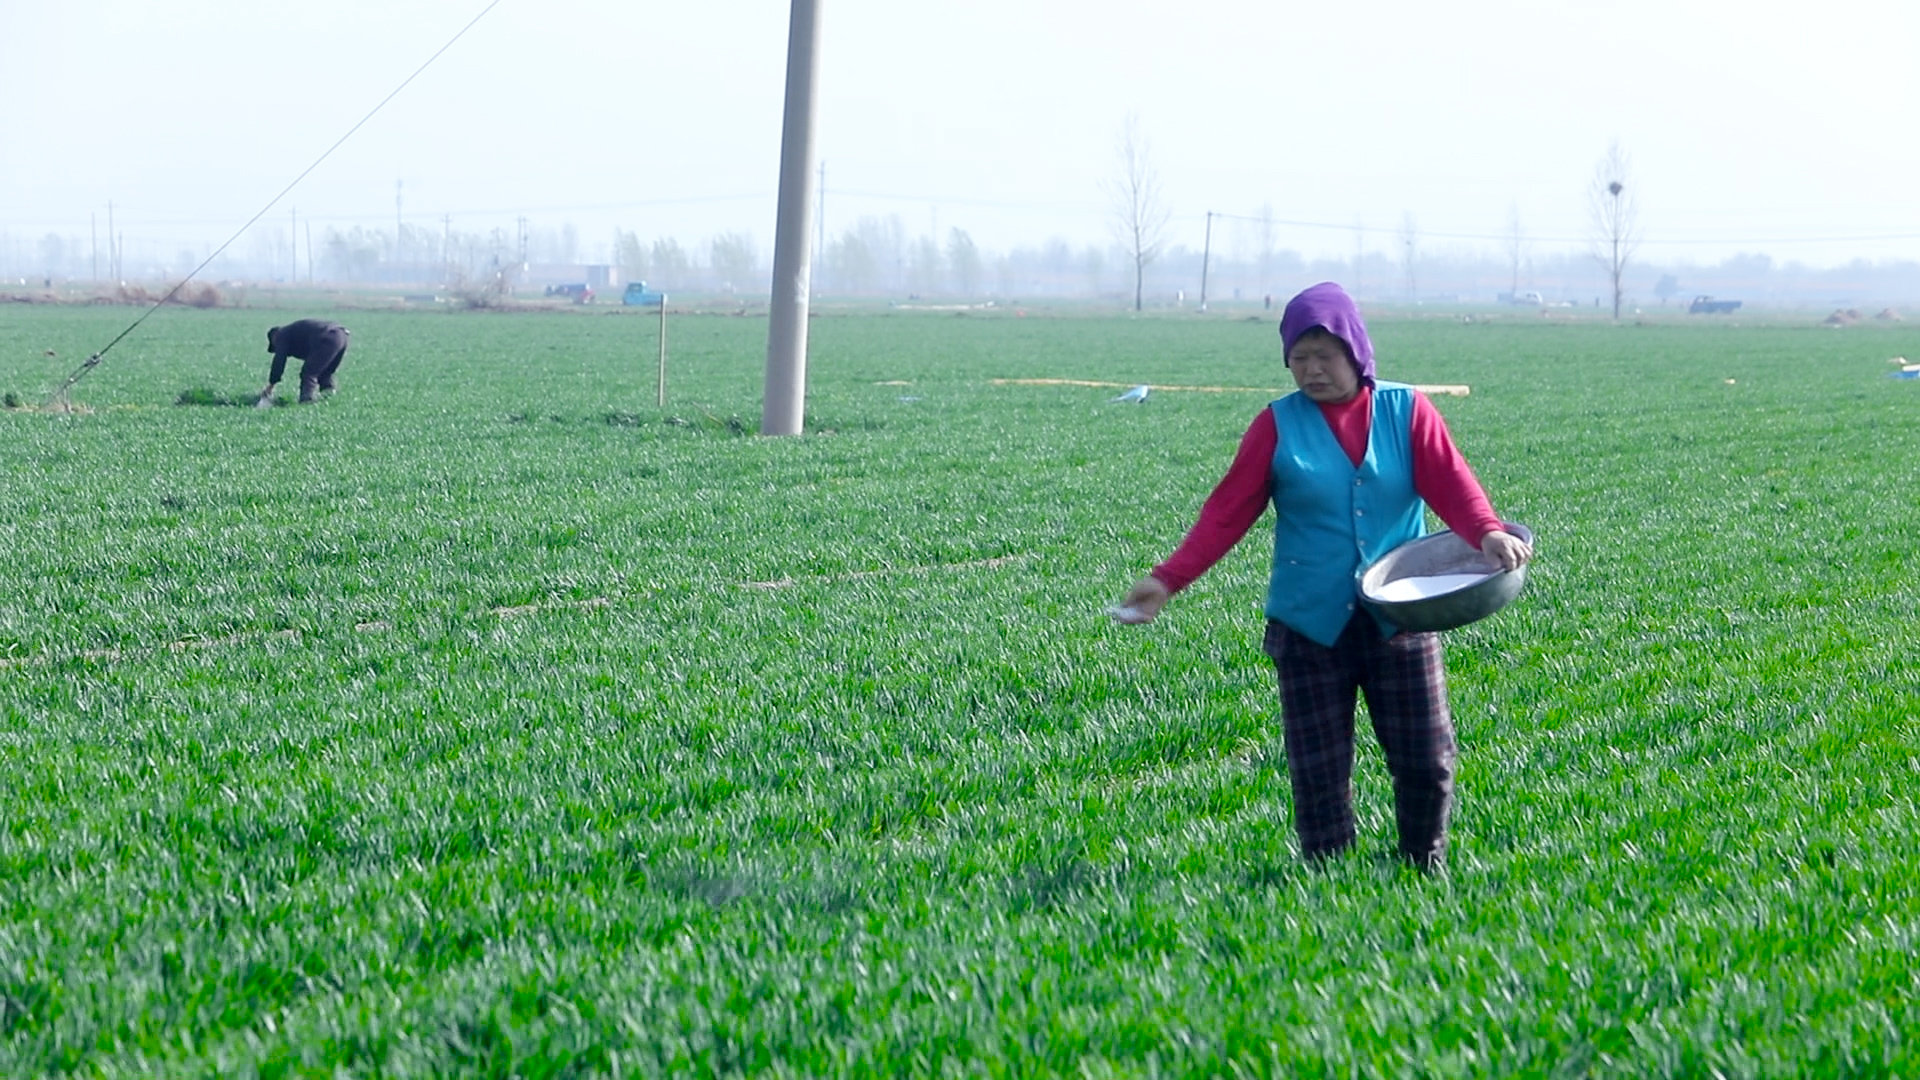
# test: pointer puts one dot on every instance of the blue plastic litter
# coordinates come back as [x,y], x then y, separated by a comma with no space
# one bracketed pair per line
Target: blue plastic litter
[1903,374]
[1136,395]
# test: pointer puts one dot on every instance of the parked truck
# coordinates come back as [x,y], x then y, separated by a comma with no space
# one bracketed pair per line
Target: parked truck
[638,295]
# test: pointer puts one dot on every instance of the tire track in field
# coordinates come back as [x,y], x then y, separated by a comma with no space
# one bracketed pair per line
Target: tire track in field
[893,571]
[374,626]
[141,652]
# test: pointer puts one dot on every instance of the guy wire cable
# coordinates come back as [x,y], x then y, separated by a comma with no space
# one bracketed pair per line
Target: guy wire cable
[93,361]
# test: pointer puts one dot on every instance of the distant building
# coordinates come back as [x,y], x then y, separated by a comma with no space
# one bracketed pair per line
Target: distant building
[600,277]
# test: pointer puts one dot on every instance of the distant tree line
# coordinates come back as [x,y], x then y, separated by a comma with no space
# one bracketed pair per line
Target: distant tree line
[877,257]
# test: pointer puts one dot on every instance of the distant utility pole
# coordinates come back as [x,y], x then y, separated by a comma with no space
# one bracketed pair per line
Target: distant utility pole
[820,218]
[1206,257]
[293,245]
[399,230]
[783,408]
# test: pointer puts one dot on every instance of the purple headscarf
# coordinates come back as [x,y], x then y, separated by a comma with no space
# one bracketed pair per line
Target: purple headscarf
[1328,306]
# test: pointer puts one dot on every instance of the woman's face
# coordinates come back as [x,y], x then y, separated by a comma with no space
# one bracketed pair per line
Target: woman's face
[1321,369]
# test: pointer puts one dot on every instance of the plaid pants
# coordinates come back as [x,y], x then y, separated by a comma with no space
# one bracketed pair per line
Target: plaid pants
[1404,679]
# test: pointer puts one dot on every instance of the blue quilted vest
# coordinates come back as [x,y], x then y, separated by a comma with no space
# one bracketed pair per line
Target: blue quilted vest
[1331,519]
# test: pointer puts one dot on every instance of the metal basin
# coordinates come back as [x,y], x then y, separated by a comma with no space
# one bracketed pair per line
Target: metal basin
[1438,554]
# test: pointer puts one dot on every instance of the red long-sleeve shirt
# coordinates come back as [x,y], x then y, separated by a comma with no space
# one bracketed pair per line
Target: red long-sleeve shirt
[1440,476]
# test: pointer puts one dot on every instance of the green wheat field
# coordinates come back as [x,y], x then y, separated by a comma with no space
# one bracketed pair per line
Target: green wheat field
[488,719]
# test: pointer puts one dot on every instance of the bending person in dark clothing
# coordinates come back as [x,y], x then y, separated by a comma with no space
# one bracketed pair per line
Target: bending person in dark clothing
[320,346]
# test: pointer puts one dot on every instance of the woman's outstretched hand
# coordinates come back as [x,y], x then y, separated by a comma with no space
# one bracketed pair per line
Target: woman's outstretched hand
[1142,602]
[1506,549]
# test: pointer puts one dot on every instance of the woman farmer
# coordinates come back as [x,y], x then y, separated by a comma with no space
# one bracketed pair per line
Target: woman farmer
[1350,465]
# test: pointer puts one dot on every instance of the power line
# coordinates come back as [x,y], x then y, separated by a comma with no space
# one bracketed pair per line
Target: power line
[991,204]
[513,211]
[93,361]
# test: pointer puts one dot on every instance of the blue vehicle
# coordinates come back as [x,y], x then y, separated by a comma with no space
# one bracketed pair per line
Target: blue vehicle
[1707,305]
[638,295]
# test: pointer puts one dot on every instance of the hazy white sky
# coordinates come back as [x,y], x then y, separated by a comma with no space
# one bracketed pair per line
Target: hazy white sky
[1751,126]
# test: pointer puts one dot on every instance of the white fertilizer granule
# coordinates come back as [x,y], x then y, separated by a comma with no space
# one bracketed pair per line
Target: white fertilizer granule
[1421,588]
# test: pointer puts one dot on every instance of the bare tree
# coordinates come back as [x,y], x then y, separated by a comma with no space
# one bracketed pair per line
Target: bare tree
[924,266]
[851,264]
[964,257]
[53,251]
[628,251]
[1614,217]
[671,262]
[1666,287]
[733,259]
[1139,209]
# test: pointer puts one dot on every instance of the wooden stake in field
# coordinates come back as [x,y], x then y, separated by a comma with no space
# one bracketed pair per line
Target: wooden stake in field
[663,351]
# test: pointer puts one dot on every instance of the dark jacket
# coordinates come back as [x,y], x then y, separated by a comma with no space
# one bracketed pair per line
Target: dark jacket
[316,341]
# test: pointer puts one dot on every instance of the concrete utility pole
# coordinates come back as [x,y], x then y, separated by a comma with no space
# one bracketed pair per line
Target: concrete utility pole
[783,409]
